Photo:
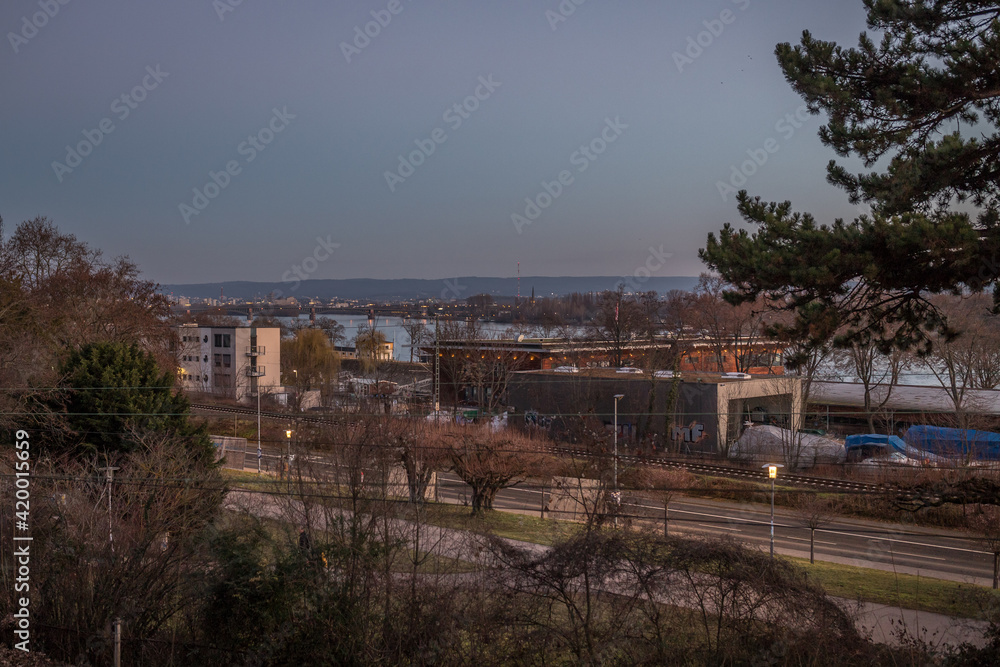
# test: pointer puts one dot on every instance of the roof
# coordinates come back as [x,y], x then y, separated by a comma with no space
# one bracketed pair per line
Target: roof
[641,375]
[905,398]
[566,345]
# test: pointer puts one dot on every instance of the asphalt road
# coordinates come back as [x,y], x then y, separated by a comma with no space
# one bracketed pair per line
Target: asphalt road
[933,553]
[893,547]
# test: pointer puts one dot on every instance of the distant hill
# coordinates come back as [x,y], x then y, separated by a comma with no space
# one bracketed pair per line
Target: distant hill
[446,288]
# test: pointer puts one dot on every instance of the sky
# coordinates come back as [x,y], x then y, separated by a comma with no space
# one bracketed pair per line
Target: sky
[215,140]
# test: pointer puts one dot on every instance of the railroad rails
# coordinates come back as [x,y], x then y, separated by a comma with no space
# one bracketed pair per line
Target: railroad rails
[283,416]
[739,473]
[691,466]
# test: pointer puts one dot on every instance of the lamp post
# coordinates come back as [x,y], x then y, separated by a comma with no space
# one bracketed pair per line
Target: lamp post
[772,473]
[288,453]
[617,495]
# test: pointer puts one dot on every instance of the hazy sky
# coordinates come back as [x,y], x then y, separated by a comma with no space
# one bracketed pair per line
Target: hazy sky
[114,114]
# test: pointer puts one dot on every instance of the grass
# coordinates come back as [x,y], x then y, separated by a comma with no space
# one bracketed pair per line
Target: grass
[251,481]
[519,527]
[846,581]
[899,590]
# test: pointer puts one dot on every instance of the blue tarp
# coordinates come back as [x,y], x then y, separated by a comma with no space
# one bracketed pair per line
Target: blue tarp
[889,443]
[954,442]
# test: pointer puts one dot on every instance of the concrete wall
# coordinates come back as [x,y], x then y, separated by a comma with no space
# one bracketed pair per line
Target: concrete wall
[706,418]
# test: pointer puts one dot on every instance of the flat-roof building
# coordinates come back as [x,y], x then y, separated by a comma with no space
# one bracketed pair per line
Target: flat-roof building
[229,362]
[710,412]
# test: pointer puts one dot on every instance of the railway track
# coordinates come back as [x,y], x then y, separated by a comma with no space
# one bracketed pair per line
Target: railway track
[691,466]
[740,473]
[283,416]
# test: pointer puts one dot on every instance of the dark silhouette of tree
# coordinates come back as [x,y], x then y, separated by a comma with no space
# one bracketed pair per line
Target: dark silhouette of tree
[925,100]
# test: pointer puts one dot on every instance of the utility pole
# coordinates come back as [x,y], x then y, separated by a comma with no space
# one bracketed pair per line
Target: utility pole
[118,642]
[258,426]
[109,473]
[617,495]
[255,383]
[437,370]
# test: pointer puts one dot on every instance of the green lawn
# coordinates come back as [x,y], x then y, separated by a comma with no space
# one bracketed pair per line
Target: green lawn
[899,590]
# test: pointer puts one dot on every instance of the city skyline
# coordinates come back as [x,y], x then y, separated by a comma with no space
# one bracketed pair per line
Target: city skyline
[220,141]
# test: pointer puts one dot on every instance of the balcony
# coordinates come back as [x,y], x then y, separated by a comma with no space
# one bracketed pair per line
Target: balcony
[255,372]
[255,351]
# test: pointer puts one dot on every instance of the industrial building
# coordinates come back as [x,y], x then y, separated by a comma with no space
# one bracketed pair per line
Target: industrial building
[709,414]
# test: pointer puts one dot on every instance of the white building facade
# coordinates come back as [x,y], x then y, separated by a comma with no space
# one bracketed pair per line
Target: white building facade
[229,362]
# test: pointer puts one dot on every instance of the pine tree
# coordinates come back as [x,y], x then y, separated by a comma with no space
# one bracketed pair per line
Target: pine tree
[926,98]
[113,392]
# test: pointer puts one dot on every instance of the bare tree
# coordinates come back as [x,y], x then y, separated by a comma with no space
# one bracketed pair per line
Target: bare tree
[417,332]
[814,512]
[617,323]
[962,356]
[730,330]
[421,451]
[489,461]
[122,547]
[878,370]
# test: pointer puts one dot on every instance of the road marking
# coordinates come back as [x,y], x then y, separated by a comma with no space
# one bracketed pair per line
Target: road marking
[737,530]
[805,539]
[900,553]
[893,539]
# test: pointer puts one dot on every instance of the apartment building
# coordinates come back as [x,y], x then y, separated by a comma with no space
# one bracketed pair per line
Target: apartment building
[229,362]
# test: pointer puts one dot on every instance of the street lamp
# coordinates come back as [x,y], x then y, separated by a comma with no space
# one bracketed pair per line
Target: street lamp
[288,452]
[617,494]
[772,473]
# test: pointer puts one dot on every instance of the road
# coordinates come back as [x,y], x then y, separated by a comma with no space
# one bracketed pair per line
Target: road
[939,554]
[893,547]
[883,622]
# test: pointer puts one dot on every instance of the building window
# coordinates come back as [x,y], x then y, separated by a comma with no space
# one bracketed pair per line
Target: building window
[206,338]
[225,340]
[227,360]
[206,358]
[218,361]
[218,340]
